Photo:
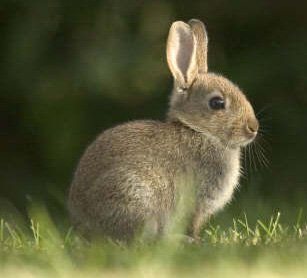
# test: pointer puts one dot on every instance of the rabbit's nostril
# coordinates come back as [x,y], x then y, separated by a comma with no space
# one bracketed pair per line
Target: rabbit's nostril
[251,129]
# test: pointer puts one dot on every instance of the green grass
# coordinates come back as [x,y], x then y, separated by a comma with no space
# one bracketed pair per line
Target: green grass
[249,248]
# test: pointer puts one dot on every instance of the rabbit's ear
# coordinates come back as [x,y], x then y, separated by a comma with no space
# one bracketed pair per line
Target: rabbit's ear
[200,34]
[181,54]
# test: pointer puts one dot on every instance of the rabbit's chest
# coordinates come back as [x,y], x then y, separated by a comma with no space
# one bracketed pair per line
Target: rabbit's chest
[219,178]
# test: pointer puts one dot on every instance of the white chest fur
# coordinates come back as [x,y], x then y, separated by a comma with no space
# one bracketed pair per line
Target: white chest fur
[220,187]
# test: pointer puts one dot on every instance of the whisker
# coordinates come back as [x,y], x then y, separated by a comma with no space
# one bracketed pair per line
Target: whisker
[263,131]
[263,109]
[262,138]
[264,121]
[245,161]
[258,154]
[254,158]
[249,158]
[242,169]
[255,154]
[262,151]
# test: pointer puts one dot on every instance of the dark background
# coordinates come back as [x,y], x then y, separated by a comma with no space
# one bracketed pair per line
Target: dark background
[70,69]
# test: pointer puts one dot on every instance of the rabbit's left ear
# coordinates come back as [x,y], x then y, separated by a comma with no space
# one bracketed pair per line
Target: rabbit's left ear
[181,54]
[200,34]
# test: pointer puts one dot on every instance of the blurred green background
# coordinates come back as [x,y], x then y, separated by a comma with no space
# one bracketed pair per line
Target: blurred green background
[70,69]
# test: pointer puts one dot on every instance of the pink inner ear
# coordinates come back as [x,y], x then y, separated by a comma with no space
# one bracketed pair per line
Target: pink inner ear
[185,52]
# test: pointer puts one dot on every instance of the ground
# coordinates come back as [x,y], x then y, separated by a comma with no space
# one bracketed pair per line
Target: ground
[271,245]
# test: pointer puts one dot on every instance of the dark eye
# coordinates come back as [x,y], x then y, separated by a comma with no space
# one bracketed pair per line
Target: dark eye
[217,103]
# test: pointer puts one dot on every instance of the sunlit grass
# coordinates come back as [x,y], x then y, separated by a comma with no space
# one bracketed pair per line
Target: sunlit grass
[260,249]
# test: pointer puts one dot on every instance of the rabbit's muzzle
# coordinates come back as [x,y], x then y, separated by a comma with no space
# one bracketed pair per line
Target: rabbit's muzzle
[250,131]
[252,127]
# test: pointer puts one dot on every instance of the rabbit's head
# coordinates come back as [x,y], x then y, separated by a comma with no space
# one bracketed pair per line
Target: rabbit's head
[207,103]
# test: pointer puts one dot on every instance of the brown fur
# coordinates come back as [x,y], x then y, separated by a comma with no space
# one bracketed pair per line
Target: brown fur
[128,177]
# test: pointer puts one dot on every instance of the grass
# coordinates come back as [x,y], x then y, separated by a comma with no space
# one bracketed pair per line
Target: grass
[249,248]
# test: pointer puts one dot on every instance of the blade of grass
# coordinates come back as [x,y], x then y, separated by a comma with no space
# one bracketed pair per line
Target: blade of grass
[1,230]
[273,232]
[35,232]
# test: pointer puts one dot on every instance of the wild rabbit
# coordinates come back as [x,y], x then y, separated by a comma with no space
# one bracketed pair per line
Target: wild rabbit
[128,176]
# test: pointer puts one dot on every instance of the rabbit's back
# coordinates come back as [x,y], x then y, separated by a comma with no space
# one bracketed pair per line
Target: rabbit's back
[138,145]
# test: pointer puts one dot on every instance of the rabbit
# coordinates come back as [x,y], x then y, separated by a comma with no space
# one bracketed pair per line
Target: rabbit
[127,179]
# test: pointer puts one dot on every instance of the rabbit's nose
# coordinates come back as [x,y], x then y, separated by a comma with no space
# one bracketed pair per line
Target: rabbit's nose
[252,126]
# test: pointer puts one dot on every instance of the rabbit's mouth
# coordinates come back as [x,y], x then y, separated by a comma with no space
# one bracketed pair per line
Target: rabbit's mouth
[245,137]
[246,141]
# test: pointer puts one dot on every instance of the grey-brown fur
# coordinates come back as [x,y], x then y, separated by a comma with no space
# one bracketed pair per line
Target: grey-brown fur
[128,177]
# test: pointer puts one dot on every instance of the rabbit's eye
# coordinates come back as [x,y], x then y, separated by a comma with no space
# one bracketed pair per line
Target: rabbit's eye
[217,103]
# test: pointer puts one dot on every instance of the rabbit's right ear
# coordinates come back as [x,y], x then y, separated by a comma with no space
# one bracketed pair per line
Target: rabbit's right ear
[200,34]
[181,54]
